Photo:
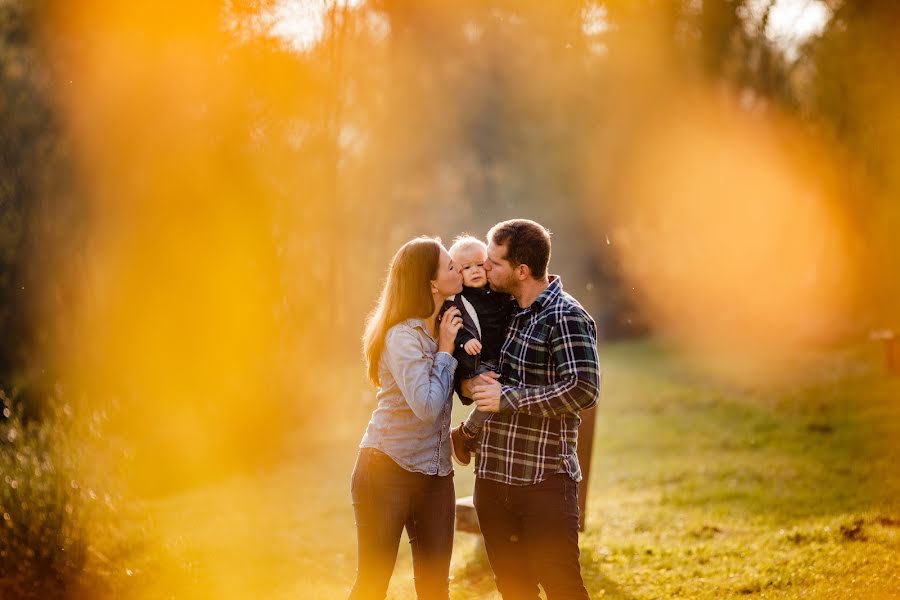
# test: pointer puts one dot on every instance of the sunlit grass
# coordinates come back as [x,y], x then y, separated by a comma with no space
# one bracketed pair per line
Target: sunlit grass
[698,490]
[705,491]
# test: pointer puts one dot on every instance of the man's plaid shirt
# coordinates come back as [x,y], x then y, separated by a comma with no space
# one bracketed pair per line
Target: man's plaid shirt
[549,372]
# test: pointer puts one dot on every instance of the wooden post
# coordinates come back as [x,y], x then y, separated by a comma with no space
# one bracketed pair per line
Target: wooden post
[891,344]
[892,354]
[585,451]
[466,517]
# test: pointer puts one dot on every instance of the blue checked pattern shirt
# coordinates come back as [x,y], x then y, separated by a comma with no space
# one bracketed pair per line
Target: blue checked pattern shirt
[412,421]
[549,372]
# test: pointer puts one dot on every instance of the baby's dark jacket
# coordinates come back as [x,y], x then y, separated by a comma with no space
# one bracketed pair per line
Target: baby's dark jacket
[485,316]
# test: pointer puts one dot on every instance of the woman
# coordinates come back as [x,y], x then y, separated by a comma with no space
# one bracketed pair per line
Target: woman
[403,476]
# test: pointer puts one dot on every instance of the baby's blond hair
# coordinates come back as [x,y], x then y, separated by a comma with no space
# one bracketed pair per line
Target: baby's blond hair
[465,242]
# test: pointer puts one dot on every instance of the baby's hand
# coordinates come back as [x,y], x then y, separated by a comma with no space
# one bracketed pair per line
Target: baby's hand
[472,347]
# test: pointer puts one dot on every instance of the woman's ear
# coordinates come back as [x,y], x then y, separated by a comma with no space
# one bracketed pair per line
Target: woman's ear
[434,289]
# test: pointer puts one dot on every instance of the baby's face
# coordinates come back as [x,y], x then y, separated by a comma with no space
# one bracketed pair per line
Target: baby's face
[471,261]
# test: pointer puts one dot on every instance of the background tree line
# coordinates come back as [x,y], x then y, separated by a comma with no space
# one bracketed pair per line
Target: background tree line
[398,118]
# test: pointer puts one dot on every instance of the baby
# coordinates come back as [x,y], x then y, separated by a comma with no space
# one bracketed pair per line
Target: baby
[486,316]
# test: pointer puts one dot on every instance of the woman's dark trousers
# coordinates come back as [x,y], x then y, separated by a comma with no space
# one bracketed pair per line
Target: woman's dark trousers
[387,498]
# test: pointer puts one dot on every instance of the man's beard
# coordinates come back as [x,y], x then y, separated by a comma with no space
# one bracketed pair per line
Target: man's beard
[505,287]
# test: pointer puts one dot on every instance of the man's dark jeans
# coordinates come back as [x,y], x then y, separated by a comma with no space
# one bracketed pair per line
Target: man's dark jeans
[531,536]
[387,498]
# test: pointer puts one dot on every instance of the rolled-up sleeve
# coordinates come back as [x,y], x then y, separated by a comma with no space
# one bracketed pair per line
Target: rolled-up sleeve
[425,380]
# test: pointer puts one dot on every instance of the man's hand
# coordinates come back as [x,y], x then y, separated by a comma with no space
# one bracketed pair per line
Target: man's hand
[467,386]
[486,394]
[472,347]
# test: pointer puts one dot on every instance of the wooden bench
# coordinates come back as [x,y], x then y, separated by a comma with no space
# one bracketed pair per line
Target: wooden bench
[467,520]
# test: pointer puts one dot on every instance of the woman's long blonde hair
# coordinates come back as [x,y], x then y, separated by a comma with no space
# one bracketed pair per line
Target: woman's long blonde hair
[406,294]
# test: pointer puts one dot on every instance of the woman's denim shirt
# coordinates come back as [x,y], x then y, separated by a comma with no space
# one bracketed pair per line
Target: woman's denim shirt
[412,421]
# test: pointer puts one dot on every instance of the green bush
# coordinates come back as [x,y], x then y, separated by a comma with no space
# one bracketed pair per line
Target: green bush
[58,507]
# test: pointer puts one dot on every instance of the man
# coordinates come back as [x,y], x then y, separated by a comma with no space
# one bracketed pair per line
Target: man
[527,472]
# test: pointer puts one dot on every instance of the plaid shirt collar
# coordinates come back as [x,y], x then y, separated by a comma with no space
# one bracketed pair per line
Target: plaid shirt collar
[546,298]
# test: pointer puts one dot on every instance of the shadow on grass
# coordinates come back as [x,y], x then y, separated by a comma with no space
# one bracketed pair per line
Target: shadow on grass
[598,584]
[475,577]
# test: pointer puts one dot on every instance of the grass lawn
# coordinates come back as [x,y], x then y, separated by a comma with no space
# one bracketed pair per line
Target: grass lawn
[698,490]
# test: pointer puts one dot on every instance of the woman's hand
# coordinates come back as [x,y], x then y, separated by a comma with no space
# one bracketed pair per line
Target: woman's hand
[473,347]
[451,322]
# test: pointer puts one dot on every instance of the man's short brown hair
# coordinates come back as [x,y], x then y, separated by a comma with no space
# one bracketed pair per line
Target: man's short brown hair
[527,243]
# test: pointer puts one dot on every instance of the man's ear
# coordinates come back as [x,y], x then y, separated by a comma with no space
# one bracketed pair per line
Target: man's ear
[523,272]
